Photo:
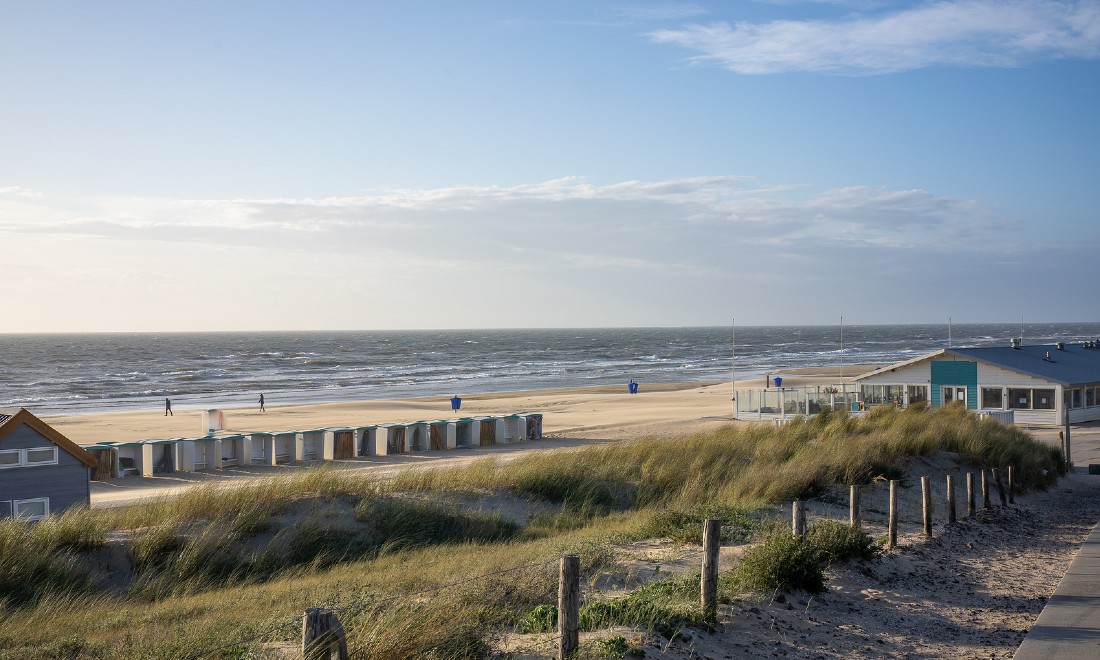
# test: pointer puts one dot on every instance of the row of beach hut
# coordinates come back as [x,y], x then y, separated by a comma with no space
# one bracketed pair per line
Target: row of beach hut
[221,449]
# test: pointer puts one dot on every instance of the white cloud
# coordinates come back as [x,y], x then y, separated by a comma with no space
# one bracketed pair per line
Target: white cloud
[959,33]
[576,252]
[19,191]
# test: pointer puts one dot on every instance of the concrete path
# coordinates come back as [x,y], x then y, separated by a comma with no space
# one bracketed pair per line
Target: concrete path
[1069,625]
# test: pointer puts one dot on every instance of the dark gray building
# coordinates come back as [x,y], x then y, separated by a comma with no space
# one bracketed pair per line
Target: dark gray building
[41,471]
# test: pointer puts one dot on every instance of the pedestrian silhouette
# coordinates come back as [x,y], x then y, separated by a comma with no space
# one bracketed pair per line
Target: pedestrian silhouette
[261,402]
[168,407]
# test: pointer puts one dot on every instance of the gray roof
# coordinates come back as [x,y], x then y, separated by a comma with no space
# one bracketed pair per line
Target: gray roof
[1075,365]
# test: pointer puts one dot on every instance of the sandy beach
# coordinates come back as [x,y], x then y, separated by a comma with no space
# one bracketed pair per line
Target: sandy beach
[603,413]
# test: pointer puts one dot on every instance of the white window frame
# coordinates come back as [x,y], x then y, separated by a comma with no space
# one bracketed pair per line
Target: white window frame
[981,396]
[15,508]
[23,457]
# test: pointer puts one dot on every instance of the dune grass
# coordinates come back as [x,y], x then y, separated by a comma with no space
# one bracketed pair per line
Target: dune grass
[224,564]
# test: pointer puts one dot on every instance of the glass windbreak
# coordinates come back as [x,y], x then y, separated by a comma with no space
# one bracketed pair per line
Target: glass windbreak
[993,397]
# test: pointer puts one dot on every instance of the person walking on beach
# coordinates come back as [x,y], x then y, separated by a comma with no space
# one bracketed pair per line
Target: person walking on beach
[261,402]
[168,407]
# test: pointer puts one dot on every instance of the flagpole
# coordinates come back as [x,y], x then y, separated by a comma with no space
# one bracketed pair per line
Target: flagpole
[733,368]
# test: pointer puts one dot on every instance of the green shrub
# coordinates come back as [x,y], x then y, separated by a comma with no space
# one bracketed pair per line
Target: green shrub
[687,526]
[782,561]
[835,542]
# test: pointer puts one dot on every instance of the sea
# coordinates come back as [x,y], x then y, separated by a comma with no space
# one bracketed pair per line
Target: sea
[66,374]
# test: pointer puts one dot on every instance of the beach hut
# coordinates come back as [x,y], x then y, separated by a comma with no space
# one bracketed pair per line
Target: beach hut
[314,445]
[283,446]
[342,441]
[41,471]
[134,459]
[261,449]
[185,454]
[441,435]
[396,438]
[365,439]
[467,432]
[489,429]
[106,461]
[534,426]
[417,436]
[166,455]
[234,450]
[208,453]
[515,428]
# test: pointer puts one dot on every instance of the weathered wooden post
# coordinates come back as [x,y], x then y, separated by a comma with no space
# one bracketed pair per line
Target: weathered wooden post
[1000,486]
[798,518]
[969,494]
[321,634]
[985,491]
[708,581]
[951,519]
[926,501]
[855,517]
[569,606]
[892,537]
[1011,486]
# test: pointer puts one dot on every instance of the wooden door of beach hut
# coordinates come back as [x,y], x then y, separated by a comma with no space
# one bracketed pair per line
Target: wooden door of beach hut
[488,432]
[435,435]
[395,439]
[534,427]
[344,445]
[164,457]
[106,466]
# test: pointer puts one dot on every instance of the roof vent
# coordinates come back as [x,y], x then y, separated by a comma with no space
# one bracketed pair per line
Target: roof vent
[1047,358]
[1060,346]
[1015,341]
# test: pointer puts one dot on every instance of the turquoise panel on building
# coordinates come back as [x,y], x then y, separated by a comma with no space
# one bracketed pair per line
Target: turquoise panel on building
[955,372]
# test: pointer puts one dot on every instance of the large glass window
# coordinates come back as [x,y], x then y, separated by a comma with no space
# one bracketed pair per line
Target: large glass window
[918,394]
[1043,399]
[993,398]
[1076,398]
[1019,399]
[1090,397]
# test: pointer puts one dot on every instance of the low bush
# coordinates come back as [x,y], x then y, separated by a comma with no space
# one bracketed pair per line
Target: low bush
[787,562]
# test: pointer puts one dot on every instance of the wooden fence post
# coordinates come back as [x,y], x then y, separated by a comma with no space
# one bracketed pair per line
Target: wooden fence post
[951,519]
[855,517]
[708,581]
[798,518]
[1000,486]
[926,502]
[321,631]
[969,494]
[569,606]
[892,538]
[1011,486]
[985,491]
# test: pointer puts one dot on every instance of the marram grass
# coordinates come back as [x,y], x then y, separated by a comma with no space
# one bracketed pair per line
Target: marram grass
[220,565]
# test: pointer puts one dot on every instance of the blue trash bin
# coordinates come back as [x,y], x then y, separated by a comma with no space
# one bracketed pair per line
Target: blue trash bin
[779,381]
[456,402]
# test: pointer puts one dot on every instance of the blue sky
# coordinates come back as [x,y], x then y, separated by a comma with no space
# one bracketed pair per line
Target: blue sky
[279,165]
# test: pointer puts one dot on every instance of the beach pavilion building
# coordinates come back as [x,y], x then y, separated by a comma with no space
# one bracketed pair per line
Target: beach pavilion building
[1043,385]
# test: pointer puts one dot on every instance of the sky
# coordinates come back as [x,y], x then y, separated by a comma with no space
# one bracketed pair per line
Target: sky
[189,166]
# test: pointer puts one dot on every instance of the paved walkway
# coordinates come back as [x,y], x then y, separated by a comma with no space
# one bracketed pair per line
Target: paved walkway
[1069,625]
